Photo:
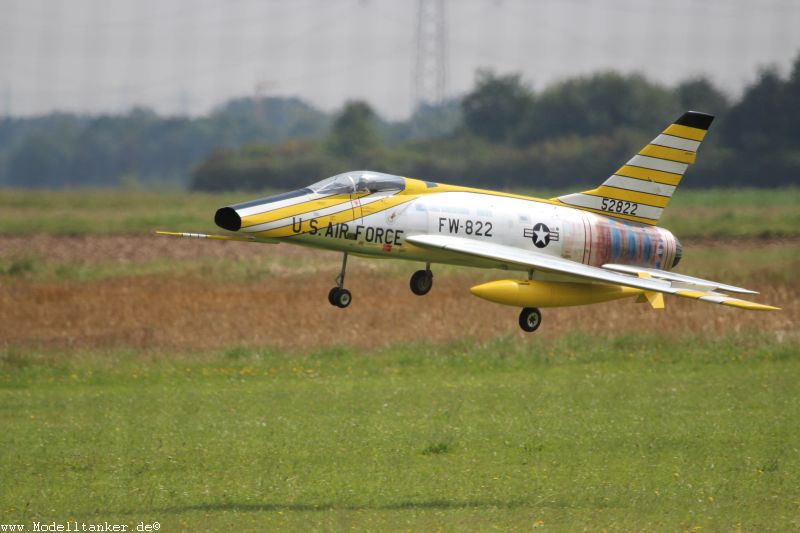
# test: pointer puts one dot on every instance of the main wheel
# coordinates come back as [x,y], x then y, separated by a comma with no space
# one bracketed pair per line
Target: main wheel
[340,297]
[529,319]
[421,282]
[332,296]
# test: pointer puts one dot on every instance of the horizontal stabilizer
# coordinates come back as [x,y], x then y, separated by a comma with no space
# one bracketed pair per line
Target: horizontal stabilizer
[681,280]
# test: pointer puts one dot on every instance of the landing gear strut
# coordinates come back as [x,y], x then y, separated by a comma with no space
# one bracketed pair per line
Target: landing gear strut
[530,318]
[422,281]
[339,296]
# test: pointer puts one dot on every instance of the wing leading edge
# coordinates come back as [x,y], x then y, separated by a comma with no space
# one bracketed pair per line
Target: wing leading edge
[648,281]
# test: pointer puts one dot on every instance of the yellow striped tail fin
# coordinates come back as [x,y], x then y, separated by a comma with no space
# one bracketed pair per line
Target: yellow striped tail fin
[641,189]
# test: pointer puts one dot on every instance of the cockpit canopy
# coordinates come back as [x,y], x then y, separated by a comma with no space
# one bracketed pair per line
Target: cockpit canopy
[358,181]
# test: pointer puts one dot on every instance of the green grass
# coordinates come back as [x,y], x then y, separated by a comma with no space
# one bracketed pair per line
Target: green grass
[625,433]
[734,213]
[692,213]
[109,212]
[771,264]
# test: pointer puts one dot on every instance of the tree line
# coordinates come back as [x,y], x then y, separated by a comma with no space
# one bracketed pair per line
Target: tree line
[573,133]
[140,147]
[500,134]
[68,150]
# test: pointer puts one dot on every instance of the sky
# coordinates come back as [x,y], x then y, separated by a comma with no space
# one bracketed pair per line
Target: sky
[190,56]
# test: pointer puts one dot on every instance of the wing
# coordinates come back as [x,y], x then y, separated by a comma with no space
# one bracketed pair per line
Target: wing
[516,257]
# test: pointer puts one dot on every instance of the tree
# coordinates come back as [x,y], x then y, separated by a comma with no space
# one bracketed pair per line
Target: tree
[429,121]
[792,111]
[756,123]
[38,163]
[597,105]
[762,132]
[354,134]
[699,94]
[497,106]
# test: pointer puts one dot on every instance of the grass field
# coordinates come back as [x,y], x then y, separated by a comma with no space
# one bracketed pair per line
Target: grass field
[210,387]
[614,433]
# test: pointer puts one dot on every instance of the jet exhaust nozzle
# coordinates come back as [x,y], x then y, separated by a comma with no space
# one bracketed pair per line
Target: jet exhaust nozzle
[678,253]
[227,218]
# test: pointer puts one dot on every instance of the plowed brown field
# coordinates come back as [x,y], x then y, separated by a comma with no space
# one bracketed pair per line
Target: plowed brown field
[287,307]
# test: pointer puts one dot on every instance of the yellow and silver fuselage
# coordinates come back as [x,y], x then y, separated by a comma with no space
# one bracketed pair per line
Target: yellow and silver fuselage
[371,214]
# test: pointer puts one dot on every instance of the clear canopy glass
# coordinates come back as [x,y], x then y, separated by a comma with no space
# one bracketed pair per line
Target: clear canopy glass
[358,181]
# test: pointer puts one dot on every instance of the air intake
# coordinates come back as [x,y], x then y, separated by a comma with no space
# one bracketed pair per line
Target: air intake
[227,218]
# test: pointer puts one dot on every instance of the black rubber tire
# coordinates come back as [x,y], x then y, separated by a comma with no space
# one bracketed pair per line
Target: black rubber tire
[332,296]
[421,282]
[530,319]
[342,298]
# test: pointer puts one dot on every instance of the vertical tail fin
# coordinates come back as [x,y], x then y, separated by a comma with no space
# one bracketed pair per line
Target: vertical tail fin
[641,189]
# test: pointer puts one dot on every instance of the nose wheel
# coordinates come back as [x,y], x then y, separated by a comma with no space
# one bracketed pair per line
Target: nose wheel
[339,296]
[422,281]
[530,319]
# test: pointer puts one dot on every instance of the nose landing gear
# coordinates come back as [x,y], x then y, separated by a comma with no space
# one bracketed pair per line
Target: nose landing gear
[339,296]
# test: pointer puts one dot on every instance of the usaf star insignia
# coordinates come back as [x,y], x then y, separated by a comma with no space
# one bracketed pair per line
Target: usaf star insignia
[541,235]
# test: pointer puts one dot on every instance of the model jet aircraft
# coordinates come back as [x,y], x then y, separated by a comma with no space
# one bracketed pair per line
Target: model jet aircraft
[584,248]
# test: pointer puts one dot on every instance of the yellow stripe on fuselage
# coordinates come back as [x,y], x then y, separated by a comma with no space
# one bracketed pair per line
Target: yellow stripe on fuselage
[441,187]
[671,154]
[299,209]
[686,132]
[348,214]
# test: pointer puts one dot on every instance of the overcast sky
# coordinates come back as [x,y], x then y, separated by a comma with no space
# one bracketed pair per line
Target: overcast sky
[180,56]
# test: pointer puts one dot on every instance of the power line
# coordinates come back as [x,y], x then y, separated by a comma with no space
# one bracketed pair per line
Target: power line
[430,67]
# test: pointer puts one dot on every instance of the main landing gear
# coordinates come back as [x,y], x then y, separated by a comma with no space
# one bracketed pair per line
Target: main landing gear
[339,296]
[530,319]
[422,281]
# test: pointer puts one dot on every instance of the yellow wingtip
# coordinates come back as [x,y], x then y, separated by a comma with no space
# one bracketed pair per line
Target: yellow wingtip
[752,306]
[727,300]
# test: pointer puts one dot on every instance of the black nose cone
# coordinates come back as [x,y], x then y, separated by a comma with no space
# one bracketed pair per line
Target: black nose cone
[227,218]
